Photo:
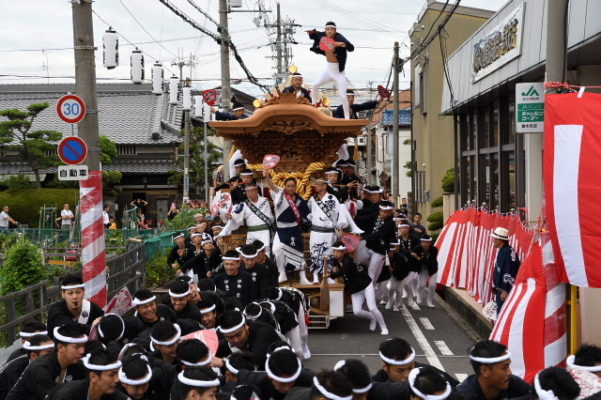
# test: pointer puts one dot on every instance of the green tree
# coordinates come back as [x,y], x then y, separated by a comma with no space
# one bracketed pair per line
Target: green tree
[24,266]
[108,149]
[32,147]
[110,179]
[196,161]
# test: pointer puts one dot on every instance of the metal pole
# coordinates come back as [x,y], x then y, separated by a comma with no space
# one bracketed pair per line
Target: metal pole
[206,161]
[226,92]
[279,46]
[92,230]
[395,125]
[186,195]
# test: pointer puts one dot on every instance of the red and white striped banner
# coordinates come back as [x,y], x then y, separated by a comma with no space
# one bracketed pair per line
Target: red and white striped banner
[466,255]
[532,322]
[572,184]
[93,254]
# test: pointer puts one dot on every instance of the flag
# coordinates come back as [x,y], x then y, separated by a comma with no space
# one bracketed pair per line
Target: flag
[532,322]
[572,184]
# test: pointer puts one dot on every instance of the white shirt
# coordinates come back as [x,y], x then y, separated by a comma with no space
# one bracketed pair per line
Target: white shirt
[4,219]
[242,214]
[105,218]
[64,215]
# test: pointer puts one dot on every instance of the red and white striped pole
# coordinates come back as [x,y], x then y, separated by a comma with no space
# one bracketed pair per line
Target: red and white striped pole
[93,255]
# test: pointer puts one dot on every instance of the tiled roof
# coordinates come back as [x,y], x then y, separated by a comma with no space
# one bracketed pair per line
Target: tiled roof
[128,113]
[132,166]
[404,117]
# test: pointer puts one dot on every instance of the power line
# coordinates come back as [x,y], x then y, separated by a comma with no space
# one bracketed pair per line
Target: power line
[146,30]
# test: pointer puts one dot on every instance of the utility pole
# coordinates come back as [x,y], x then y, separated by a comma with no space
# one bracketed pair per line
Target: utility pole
[186,194]
[92,231]
[206,154]
[280,69]
[226,92]
[395,124]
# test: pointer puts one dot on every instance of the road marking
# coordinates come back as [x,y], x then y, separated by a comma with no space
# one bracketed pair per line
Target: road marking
[461,377]
[444,349]
[415,307]
[426,323]
[421,339]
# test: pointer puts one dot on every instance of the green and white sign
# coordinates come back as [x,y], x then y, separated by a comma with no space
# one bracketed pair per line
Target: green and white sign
[529,107]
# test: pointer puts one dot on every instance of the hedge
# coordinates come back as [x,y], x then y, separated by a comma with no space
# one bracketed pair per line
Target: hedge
[25,203]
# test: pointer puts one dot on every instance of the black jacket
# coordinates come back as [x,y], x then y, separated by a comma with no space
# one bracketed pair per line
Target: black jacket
[356,278]
[305,92]
[59,314]
[78,390]
[181,260]
[261,280]
[189,312]
[470,389]
[40,377]
[240,286]
[382,376]
[428,259]
[379,240]
[340,52]
[355,108]
[10,373]
[268,391]
[260,337]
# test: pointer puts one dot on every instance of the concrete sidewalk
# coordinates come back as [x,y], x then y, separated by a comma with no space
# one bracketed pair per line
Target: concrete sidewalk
[469,309]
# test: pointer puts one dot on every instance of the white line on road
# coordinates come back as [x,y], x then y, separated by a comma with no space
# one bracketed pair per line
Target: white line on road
[421,339]
[415,307]
[461,377]
[444,349]
[426,323]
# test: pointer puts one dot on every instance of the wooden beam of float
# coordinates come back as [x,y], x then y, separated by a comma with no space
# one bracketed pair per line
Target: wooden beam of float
[292,128]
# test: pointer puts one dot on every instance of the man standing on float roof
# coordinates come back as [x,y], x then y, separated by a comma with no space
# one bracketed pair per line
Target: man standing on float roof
[336,47]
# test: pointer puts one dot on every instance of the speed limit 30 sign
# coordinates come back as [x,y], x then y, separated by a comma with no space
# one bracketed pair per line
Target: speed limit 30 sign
[71,108]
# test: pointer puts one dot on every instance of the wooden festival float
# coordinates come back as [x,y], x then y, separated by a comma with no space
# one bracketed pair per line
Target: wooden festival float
[306,139]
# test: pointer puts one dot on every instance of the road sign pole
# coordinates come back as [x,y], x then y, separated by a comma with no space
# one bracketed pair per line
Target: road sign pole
[93,254]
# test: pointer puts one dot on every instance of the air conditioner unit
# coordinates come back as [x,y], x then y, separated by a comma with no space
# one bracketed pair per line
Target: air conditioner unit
[235,3]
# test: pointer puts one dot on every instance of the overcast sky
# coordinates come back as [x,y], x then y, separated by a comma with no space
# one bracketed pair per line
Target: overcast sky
[37,37]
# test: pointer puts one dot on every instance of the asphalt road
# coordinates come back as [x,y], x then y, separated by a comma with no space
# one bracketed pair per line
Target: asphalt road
[438,336]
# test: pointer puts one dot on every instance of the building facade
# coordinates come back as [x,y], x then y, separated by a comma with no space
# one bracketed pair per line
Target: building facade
[433,139]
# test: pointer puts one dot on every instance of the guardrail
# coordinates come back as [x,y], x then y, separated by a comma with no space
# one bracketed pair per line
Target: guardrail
[32,303]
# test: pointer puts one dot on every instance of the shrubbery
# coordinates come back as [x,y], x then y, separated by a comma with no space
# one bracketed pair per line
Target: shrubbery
[448,181]
[23,267]
[437,202]
[435,221]
[25,203]
[157,270]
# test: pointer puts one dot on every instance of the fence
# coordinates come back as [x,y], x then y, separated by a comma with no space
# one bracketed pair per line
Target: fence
[125,270]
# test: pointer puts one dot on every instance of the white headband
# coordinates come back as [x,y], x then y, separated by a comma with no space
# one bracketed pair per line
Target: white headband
[30,347]
[207,361]
[542,393]
[362,390]
[208,309]
[30,334]
[168,342]
[332,172]
[571,364]
[327,394]
[261,248]
[491,360]
[245,173]
[233,328]
[95,367]
[206,241]
[141,381]
[413,375]
[137,302]
[71,287]
[231,258]
[179,295]
[255,316]
[392,361]
[195,234]
[122,329]
[285,347]
[342,248]
[377,191]
[331,26]
[280,294]
[404,226]
[279,378]
[196,383]
[181,235]
[68,339]
[230,367]
[386,208]
[426,239]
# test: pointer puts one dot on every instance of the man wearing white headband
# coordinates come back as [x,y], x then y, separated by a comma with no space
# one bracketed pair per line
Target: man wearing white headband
[331,385]
[296,86]
[255,213]
[379,232]
[29,329]
[254,337]
[135,376]
[236,114]
[180,252]
[196,383]
[426,254]
[492,379]
[554,383]
[36,346]
[235,281]
[164,338]
[74,306]
[102,383]
[585,368]
[336,55]
[179,296]
[59,366]
[258,272]
[149,312]
[427,383]
[327,218]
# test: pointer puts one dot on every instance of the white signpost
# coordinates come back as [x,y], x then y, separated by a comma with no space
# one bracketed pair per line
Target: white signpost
[529,107]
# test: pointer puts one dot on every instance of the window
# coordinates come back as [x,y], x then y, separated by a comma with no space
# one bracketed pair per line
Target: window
[417,92]
[420,187]
[127,149]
